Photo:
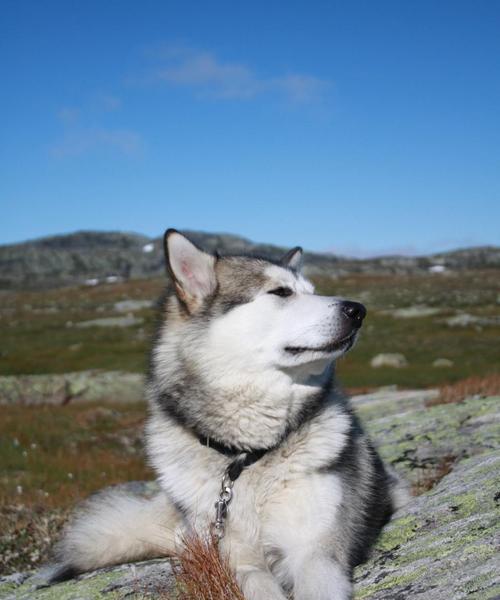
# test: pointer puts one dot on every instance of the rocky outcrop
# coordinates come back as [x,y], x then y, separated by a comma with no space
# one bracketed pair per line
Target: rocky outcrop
[445,544]
[81,386]
[442,546]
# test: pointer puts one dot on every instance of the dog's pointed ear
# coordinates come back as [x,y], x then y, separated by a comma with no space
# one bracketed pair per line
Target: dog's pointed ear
[293,259]
[192,270]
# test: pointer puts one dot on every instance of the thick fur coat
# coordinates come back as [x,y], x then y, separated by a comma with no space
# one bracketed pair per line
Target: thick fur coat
[244,361]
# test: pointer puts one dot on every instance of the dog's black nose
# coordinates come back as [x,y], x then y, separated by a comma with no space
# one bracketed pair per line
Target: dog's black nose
[354,311]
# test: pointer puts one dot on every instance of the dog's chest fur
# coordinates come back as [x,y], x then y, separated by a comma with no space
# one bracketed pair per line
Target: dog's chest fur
[289,484]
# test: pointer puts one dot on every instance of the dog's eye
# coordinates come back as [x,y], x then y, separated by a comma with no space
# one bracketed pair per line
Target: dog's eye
[282,292]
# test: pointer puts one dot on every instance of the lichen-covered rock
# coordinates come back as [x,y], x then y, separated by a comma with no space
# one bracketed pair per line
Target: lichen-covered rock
[442,546]
[149,579]
[418,439]
[81,386]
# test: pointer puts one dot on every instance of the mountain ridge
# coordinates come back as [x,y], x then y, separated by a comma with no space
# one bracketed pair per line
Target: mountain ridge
[85,256]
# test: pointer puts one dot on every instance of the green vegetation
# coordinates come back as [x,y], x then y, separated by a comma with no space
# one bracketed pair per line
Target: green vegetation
[39,335]
[52,457]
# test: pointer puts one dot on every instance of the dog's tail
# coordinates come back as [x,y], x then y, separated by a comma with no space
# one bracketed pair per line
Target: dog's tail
[115,527]
[399,489]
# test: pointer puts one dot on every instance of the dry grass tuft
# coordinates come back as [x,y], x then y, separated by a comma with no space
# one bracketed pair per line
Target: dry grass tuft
[202,574]
[488,385]
[431,476]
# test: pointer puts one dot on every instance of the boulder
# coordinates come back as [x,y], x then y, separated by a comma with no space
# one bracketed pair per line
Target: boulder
[394,360]
[126,306]
[81,386]
[443,362]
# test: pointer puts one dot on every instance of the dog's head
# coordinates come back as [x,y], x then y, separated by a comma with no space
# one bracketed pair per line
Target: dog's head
[249,313]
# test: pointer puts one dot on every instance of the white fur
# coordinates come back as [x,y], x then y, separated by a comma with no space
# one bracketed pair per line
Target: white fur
[283,488]
[268,324]
[117,527]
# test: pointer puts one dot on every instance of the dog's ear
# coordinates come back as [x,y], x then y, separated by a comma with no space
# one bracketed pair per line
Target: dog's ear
[293,259]
[191,269]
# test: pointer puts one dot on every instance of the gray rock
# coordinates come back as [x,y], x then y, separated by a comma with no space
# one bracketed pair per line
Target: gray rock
[443,362]
[126,306]
[444,545]
[412,312]
[389,400]
[128,321]
[394,360]
[466,320]
[143,580]
[81,386]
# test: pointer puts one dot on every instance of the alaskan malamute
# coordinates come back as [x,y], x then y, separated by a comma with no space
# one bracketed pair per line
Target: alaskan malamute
[248,434]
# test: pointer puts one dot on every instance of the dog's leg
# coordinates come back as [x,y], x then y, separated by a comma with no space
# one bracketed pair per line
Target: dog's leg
[319,577]
[258,584]
[253,576]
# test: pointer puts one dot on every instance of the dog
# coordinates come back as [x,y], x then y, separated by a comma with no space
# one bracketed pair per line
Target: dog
[249,435]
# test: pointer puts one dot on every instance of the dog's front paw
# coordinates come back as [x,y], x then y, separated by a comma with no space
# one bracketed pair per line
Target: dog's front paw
[259,585]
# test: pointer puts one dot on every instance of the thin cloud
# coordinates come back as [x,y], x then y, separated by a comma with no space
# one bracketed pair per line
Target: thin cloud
[69,115]
[107,102]
[85,131]
[205,73]
[76,143]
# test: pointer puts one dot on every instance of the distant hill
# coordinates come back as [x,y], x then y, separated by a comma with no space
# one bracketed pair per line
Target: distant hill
[90,256]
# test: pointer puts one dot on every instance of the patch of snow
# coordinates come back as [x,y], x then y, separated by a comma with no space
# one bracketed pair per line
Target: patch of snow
[437,269]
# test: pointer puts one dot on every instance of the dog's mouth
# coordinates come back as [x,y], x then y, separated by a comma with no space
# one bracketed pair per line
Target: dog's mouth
[342,345]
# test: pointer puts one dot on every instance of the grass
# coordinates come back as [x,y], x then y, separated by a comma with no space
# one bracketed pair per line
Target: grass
[429,477]
[52,457]
[474,350]
[38,333]
[472,386]
[202,574]
[36,337]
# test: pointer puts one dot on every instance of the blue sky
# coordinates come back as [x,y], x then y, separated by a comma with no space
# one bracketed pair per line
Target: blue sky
[359,127]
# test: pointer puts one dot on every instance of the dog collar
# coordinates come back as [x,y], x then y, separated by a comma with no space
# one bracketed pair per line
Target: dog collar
[241,458]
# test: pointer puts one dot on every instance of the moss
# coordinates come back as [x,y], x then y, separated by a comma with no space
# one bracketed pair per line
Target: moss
[492,593]
[84,589]
[390,583]
[398,533]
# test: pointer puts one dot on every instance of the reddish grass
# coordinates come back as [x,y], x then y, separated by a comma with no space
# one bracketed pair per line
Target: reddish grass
[201,573]
[488,385]
[431,476]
